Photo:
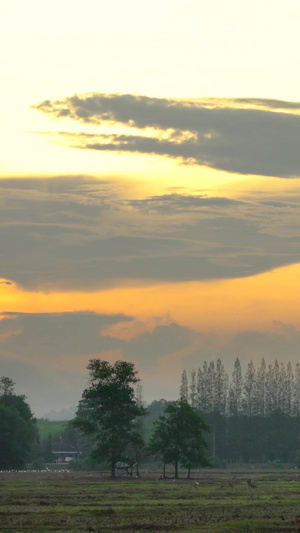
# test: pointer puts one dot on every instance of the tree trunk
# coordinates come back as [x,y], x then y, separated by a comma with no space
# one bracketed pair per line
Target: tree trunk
[176,469]
[164,471]
[189,474]
[113,466]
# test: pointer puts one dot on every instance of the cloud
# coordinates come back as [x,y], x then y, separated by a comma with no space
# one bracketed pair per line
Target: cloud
[133,329]
[53,335]
[80,233]
[10,333]
[45,390]
[281,342]
[246,136]
[148,348]
[46,354]
[267,103]
[180,202]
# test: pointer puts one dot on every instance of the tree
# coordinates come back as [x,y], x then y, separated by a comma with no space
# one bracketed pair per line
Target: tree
[160,442]
[236,389]
[203,391]
[249,390]
[221,385]
[109,410]
[211,386]
[296,393]
[272,382]
[17,431]
[6,386]
[154,410]
[178,436]
[260,401]
[282,390]
[289,388]
[193,388]
[46,449]
[184,388]
[249,409]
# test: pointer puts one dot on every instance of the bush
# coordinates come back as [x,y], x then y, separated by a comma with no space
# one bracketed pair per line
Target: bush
[38,464]
[217,462]
[277,463]
[88,464]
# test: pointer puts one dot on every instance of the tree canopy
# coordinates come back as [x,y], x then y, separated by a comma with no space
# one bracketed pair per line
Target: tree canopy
[6,386]
[109,410]
[17,427]
[254,415]
[178,436]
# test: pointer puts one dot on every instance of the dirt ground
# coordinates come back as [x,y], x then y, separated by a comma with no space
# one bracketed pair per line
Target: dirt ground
[205,477]
[211,502]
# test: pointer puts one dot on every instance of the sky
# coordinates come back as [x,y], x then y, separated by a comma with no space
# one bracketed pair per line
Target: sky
[149,190]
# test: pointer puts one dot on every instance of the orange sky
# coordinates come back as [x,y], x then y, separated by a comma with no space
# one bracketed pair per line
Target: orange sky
[149,190]
[224,305]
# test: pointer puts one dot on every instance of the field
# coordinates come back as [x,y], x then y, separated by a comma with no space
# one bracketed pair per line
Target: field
[82,502]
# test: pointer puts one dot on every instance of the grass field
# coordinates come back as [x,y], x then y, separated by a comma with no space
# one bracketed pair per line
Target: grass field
[69,502]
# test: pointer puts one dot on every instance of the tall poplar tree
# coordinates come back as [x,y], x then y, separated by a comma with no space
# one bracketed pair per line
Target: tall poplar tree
[221,386]
[203,401]
[236,389]
[270,394]
[249,391]
[211,386]
[193,389]
[184,386]
[296,392]
[260,389]
[282,389]
[289,389]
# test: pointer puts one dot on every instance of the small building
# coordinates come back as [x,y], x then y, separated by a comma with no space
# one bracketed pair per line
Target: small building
[64,452]
[123,469]
[65,456]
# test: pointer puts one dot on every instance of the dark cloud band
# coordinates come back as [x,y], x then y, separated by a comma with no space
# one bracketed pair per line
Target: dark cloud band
[77,233]
[247,136]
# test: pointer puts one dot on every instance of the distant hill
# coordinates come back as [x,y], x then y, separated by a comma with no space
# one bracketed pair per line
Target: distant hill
[55,427]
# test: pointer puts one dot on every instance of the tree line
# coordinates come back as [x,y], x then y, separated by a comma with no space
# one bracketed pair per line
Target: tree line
[110,416]
[111,413]
[260,391]
[254,416]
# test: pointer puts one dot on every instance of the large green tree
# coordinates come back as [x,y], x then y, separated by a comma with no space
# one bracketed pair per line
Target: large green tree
[109,410]
[160,444]
[178,436]
[17,427]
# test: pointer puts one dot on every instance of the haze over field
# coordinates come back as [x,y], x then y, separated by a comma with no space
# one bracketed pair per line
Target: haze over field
[149,190]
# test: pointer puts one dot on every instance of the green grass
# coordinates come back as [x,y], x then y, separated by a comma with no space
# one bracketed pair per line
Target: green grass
[97,505]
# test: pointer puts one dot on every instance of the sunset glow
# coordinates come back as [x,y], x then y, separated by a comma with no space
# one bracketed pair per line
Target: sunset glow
[149,190]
